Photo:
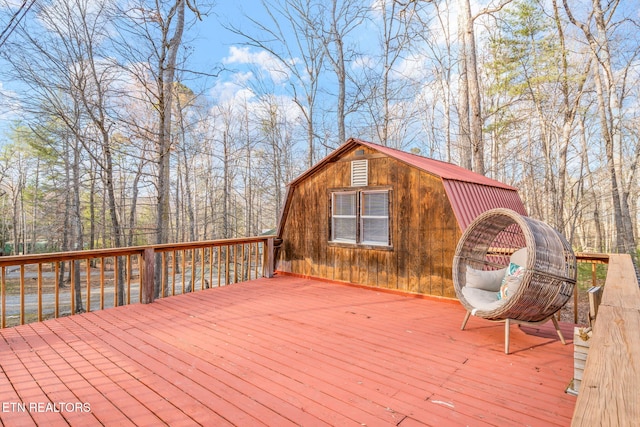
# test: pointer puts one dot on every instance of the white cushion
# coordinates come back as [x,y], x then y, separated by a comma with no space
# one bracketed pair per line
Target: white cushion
[480,299]
[520,257]
[488,280]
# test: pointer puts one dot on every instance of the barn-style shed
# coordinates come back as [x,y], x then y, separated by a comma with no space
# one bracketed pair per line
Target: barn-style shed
[376,216]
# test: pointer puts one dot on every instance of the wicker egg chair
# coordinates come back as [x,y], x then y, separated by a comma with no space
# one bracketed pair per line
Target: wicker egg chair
[502,238]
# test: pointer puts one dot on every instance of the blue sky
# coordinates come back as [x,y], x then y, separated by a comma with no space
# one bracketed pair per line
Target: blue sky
[213,45]
[211,42]
[208,43]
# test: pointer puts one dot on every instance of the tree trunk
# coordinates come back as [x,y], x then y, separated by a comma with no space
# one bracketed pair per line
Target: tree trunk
[464,144]
[468,61]
[77,226]
[166,73]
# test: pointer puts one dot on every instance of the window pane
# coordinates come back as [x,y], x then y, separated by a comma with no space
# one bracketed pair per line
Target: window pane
[375,231]
[344,229]
[344,221]
[375,204]
[344,204]
[375,218]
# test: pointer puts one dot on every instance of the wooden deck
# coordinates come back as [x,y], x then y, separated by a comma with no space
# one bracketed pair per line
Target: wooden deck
[283,351]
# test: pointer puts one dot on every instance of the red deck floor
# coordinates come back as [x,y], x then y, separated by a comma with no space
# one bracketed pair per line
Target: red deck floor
[283,351]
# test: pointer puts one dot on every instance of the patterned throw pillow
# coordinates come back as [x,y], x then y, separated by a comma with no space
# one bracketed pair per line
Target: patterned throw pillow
[511,282]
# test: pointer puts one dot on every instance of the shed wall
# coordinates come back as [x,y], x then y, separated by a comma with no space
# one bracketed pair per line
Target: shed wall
[424,232]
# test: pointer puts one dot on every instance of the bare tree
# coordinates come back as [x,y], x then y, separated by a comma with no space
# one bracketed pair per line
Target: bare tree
[469,99]
[290,37]
[387,90]
[335,21]
[152,45]
[607,90]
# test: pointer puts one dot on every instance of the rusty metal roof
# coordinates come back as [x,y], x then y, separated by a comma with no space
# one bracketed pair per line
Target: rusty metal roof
[469,193]
[436,167]
[469,200]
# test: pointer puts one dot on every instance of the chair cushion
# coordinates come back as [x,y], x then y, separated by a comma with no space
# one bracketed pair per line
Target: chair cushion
[481,299]
[520,257]
[512,280]
[488,280]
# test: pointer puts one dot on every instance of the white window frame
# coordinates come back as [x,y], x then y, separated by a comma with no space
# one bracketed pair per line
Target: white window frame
[360,217]
[334,217]
[363,217]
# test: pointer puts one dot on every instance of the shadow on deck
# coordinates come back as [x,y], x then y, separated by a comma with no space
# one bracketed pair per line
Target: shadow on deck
[283,351]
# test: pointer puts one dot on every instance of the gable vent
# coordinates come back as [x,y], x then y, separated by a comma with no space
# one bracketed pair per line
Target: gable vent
[359,173]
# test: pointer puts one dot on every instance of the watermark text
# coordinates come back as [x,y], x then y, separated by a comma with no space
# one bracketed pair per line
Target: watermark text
[43,407]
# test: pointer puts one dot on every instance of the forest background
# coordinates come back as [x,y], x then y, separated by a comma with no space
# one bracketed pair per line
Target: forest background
[121,126]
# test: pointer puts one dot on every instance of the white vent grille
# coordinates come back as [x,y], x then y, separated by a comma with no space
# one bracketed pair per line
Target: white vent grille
[359,173]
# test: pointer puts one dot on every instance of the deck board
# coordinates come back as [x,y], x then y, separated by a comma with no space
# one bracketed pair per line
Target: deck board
[285,351]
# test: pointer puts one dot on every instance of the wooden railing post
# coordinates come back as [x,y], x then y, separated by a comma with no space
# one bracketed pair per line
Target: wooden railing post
[267,263]
[146,281]
[608,392]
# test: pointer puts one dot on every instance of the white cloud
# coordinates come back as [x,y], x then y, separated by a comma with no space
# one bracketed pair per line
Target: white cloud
[234,89]
[9,105]
[363,62]
[11,4]
[262,59]
[412,67]
[62,17]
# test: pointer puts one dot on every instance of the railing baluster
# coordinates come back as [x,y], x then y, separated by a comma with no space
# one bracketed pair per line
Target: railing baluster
[182,266]
[39,292]
[164,274]
[102,283]
[3,295]
[242,278]
[174,264]
[88,268]
[56,289]
[210,266]
[140,267]
[201,269]
[264,250]
[257,260]
[22,294]
[235,263]
[128,270]
[226,267]
[72,283]
[193,270]
[219,263]
[116,287]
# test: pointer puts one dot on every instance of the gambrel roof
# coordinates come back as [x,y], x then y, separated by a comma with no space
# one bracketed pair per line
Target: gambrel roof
[469,193]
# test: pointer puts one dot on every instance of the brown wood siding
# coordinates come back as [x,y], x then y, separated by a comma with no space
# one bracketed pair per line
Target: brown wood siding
[424,232]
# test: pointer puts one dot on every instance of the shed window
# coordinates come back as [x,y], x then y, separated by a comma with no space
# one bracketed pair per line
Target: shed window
[360,217]
[374,217]
[344,219]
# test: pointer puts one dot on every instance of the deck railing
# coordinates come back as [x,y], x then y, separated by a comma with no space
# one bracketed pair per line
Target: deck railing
[35,287]
[597,265]
[608,392]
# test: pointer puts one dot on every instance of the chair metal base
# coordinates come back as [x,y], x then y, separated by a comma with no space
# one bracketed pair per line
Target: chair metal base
[507,324]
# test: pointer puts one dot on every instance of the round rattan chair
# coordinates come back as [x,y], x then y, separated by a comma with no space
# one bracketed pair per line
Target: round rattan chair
[495,241]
